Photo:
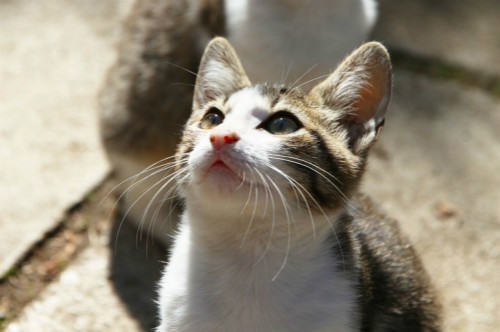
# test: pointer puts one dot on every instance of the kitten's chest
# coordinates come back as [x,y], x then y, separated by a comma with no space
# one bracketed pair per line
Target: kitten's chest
[291,304]
[228,293]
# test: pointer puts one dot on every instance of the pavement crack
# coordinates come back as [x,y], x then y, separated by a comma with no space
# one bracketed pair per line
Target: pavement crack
[44,261]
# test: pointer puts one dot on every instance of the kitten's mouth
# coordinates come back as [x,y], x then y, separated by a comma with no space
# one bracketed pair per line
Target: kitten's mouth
[225,177]
[220,163]
[219,166]
[223,174]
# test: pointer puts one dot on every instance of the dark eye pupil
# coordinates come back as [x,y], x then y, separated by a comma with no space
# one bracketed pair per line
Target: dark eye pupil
[212,118]
[281,123]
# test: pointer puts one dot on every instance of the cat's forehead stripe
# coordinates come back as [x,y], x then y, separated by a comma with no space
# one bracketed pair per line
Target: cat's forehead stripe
[272,92]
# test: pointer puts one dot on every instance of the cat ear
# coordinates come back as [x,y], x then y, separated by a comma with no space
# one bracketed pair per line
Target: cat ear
[360,89]
[220,73]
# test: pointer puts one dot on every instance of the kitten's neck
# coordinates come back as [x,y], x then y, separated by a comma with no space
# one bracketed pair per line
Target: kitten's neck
[257,236]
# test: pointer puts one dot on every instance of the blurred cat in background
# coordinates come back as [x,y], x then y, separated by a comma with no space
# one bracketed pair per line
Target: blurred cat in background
[147,96]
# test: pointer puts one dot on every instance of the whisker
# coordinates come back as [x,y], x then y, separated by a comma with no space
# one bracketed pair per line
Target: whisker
[248,198]
[296,186]
[266,192]
[163,186]
[306,162]
[292,86]
[146,169]
[159,58]
[316,203]
[242,182]
[167,197]
[289,239]
[137,200]
[332,227]
[154,219]
[158,170]
[247,231]
[286,72]
[171,198]
[320,171]
[311,80]
[169,180]
[273,222]
[154,169]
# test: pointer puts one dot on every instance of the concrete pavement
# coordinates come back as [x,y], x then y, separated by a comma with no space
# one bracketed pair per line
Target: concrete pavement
[435,168]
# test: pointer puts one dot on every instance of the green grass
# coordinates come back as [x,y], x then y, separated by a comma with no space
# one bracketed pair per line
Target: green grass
[11,272]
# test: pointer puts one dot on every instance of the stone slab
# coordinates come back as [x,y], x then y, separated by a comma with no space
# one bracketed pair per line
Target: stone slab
[110,286]
[83,299]
[53,55]
[460,32]
[436,169]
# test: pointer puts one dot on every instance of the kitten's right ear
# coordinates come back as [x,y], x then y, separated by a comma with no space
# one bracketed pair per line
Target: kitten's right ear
[220,73]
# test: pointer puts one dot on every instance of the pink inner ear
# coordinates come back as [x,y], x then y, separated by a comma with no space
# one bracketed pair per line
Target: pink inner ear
[370,96]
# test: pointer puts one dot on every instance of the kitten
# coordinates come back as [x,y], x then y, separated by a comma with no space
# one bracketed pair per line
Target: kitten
[274,236]
[147,96]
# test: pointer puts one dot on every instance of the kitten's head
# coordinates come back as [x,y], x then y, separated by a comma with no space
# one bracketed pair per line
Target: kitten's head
[268,144]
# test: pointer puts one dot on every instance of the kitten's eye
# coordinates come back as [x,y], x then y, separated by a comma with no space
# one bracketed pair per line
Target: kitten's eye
[281,123]
[212,118]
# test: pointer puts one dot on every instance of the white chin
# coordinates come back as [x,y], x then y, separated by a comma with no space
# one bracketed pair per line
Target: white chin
[223,179]
[220,184]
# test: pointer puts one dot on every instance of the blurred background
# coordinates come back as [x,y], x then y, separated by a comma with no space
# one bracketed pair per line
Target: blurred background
[68,264]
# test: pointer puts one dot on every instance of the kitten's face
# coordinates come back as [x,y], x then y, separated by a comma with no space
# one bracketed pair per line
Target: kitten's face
[253,146]
[262,141]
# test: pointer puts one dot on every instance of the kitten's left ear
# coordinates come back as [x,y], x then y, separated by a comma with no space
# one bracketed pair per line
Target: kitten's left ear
[220,73]
[360,89]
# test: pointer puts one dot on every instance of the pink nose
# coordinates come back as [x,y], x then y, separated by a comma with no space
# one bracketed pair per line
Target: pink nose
[221,137]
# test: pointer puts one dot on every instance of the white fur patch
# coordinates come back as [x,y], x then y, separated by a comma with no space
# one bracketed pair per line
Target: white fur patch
[224,290]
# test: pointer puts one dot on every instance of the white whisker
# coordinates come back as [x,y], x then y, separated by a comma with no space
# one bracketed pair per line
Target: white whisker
[168,196]
[289,239]
[266,191]
[311,80]
[315,168]
[157,169]
[297,187]
[327,219]
[254,210]
[273,221]
[163,186]
[153,166]
[248,198]
[139,198]
[292,86]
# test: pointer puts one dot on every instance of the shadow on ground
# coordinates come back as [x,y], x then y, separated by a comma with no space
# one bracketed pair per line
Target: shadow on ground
[135,269]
